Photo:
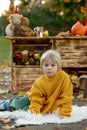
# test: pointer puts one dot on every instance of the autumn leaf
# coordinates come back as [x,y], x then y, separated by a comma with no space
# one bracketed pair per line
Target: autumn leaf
[81,99]
[8,127]
[5,120]
[4,91]
[83,9]
[85,128]
[21,93]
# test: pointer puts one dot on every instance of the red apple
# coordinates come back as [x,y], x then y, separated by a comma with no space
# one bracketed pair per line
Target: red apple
[31,53]
[19,56]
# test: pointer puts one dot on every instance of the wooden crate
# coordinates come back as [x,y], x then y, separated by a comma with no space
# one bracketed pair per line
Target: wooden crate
[23,77]
[73,52]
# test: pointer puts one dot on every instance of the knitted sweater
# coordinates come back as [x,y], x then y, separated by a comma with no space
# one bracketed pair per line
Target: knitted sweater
[52,93]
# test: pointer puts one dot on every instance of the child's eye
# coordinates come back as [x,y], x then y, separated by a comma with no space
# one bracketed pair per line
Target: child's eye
[52,65]
[46,64]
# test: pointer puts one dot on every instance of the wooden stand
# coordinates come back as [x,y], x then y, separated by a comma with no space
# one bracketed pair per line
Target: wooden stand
[73,52]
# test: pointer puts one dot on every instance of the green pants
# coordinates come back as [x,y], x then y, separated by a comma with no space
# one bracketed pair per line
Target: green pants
[20,102]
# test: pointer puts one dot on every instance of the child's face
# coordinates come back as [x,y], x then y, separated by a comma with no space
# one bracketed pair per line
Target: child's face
[49,67]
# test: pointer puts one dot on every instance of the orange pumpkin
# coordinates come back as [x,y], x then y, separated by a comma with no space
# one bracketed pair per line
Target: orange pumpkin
[78,28]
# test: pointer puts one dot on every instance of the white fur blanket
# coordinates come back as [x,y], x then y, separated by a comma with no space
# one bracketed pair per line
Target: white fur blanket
[27,118]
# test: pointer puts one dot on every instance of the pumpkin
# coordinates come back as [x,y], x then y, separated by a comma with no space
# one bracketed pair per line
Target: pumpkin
[78,28]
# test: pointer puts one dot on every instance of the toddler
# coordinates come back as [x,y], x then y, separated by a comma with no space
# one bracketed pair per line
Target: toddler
[51,92]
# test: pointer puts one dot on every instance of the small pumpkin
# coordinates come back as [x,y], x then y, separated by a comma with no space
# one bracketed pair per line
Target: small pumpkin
[78,29]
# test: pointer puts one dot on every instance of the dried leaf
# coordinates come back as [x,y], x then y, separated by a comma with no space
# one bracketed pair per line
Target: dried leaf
[23,128]
[4,96]
[83,9]
[4,91]
[10,88]
[5,120]
[1,79]
[85,128]
[8,127]
[82,99]
[1,91]
[21,93]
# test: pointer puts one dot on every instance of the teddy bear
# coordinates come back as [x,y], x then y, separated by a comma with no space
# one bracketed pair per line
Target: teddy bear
[23,29]
[18,26]
[14,19]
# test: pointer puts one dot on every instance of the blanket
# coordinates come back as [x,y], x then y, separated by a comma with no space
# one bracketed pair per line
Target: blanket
[78,114]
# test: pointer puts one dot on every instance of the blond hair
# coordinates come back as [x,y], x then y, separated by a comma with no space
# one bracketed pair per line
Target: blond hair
[53,55]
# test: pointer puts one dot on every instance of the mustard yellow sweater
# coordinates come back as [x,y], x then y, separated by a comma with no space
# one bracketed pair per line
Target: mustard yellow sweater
[49,94]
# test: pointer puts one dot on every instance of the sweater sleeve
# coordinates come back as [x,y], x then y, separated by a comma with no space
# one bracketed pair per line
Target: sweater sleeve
[66,98]
[36,98]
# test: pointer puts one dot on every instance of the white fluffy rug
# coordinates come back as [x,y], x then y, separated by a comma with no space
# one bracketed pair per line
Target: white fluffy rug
[27,118]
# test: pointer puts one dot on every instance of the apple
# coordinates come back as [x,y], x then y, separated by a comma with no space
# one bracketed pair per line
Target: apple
[24,52]
[74,77]
[46,33]
[37,56]
[31,61]
[25,55]
[27,63]
[19,56]
[31,53]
